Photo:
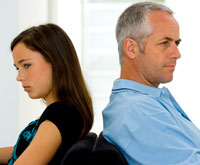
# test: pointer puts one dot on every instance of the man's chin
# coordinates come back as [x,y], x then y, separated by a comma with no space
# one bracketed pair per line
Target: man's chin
[167,80]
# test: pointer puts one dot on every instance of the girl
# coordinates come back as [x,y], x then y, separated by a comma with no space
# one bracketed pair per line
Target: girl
[48,68]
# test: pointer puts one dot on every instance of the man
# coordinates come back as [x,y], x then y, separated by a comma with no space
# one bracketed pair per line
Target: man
[144,121]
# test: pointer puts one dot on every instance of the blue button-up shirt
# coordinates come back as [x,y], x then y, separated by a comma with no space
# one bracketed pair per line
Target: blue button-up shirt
[149,127]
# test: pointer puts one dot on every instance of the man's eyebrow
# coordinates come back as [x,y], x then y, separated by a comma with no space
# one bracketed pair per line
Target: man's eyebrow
[170,39]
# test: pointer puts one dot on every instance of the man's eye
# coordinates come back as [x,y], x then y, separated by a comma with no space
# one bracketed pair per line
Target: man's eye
[165,42]
[27,65]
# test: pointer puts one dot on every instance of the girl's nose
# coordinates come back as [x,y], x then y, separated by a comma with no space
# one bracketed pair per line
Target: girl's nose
[20,76]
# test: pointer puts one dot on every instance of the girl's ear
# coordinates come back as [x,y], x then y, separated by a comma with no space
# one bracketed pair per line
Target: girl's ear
[131,48]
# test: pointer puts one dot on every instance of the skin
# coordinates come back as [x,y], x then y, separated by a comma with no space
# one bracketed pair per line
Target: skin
[35,74]
[5,154]
[157,64]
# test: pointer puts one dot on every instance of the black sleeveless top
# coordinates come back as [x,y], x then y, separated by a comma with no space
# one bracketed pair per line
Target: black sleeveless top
[67,119]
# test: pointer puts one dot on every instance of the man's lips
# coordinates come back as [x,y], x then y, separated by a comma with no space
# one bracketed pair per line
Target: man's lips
[171,66]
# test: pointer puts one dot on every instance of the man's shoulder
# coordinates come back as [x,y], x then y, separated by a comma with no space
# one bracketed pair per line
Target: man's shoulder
[134,98]
[137,104]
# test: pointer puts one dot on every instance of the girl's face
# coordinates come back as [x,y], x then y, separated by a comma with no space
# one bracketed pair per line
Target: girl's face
[34,72]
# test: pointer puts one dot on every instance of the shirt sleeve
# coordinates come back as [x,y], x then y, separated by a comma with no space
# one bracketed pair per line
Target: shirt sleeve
[156,140]
[66,118]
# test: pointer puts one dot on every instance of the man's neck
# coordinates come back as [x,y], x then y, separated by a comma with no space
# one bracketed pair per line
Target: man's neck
[129,72]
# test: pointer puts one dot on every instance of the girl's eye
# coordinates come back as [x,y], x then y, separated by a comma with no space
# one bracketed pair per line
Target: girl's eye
[27,65]
[16,67]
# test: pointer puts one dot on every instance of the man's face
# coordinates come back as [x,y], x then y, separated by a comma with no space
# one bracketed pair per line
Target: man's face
[157,64]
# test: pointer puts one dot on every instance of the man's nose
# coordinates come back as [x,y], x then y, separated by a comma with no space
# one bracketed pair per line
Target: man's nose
[175,52]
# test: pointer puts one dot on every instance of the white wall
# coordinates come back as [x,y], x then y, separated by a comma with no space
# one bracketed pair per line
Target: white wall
[8,86]
[72,14]
[30,13]
[186,84]
[16,109]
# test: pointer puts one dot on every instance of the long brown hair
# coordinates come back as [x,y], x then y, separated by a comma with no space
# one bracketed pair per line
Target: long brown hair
[68,83]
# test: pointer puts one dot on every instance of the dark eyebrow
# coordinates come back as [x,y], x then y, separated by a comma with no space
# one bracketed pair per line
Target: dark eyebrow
[168,38]
[176,41]
[20,61]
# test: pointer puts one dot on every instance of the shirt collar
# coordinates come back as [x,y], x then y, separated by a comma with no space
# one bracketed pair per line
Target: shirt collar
[132,85]
[164,93]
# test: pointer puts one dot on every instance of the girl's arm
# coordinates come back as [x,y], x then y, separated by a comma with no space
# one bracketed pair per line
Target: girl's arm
[5,154]
[43,146]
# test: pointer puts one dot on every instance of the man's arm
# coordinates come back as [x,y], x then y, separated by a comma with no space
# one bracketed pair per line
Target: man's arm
[155,139]
[5,154]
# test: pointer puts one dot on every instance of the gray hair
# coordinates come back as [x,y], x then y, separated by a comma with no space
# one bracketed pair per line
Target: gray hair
[134,23]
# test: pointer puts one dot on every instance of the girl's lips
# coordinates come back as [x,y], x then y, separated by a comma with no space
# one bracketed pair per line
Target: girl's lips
[26,88]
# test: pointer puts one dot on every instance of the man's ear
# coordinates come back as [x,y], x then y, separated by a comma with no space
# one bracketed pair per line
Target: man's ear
[130,48]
